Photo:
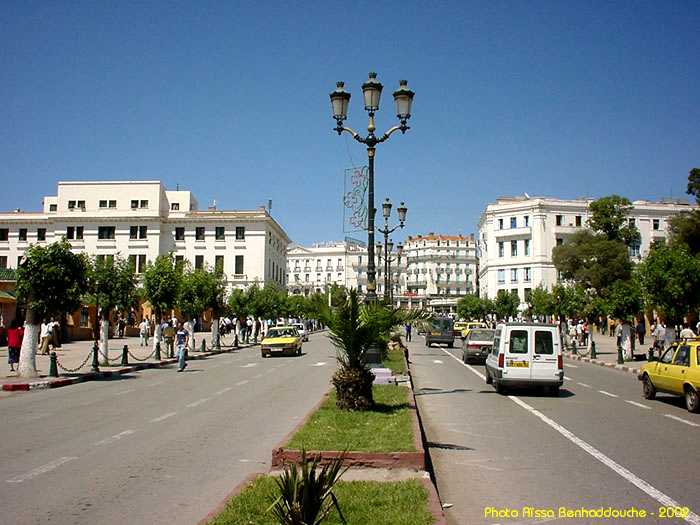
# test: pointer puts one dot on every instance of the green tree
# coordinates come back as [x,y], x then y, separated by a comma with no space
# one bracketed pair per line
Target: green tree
[470,307]
[161,288]
[685,230]
[111,285]
[694,184]
[297,306]
[238,303]
[670,280]
[541,301]
[202,290]
[608,216]
[51,281]
[506,304]
[623,299]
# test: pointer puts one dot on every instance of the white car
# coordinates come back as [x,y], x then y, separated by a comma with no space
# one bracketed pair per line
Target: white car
[525,354]
[302,331]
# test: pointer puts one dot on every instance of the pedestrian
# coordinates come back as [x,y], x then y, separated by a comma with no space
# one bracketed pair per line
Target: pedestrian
[659,336]
[45,337]
[670,336]
[618,334]
[144,329]
[611,327]
[687,333]
[258,326]
[55,333]
[409,329]
[626,340]
[15,334]
[249,329]
[641,330]
[586,329]
[181,339]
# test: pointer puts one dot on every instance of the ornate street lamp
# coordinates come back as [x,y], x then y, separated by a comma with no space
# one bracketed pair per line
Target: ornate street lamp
[371,92]
[386,212]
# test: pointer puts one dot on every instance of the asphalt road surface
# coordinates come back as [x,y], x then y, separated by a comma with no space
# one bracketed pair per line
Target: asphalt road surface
[599,444]
[154,447]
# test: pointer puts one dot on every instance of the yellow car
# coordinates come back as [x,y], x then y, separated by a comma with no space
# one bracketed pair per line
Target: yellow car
[281,340]
[676,372]
[471,326]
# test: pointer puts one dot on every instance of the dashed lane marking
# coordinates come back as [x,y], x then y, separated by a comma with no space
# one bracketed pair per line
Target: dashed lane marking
[163,417]
[629,476]
[637,404]
[223,390]
[320,363]
[257,376]
[127,391]
[115,437]
[198,402]
[567,378]
[249,365]
[241,383]
[607,393]
[584,384]
[567,365]
[438,361]
[43,469]
[670,416]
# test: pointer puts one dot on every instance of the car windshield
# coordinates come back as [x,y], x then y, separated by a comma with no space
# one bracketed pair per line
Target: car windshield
[442,325]
[481,335]
[282,332]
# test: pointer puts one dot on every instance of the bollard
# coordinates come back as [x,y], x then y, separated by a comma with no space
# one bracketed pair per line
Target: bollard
[594,355]
[157,351]
[650,355]
[125,355]
[95,362]
[53,367]
[204,346]
[620,358]
[235,341]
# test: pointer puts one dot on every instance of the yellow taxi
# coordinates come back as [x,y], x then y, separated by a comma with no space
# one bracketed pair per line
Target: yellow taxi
[676,372]
[471,326]
[284,340]
[458,326]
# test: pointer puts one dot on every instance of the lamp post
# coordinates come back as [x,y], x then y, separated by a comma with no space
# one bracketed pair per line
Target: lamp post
[388,249]
[386,212]
[371,91]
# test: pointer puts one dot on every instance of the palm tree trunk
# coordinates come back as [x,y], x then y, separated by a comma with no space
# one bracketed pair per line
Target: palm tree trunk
[27,355]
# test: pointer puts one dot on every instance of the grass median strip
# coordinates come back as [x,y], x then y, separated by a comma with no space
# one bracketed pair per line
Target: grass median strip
[378,503]
[387,428]
[395,361]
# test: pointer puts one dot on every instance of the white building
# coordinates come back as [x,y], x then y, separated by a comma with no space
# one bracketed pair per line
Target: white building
[438,270]
[517,236]
[141,220]
[310,269]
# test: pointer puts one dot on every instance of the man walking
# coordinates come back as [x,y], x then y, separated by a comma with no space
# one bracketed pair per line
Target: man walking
[45,336]
[687,333]
[144,328]
[641,331]
[181,338]
[408,331]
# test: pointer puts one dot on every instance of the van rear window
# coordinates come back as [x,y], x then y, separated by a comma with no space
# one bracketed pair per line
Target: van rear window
[518,342]
[543,342]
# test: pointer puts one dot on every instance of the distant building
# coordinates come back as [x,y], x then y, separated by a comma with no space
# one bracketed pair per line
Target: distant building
[517,236]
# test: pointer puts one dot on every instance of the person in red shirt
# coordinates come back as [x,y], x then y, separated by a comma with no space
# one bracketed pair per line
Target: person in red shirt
[15,334]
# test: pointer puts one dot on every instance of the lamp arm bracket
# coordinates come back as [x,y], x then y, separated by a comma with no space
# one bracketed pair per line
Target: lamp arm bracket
[354,134]
[401,127]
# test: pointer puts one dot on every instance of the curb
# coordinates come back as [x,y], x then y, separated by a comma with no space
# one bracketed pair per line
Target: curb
[598,362]
[234,492]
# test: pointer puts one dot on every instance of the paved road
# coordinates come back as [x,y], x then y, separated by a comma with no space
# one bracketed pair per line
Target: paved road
[598,444]
[156,447]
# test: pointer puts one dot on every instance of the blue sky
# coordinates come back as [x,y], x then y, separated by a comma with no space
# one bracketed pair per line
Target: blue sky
[231,100]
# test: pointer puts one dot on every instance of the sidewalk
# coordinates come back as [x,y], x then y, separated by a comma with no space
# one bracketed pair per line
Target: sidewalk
[75,362]
[606,354]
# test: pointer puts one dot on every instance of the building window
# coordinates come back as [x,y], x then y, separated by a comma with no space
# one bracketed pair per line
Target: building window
[180,233]
[106,258]
[4,234]
[41,234]
[3,261]
[240,233]
[103,204]
[175,206]
[23,234]
[112,204]
[238,265]
[527,247]
[143,232]
[199,233]
[635,249]
[71,205]
[220,233]
[143,204]
[513,222]
[514,275]
[513,248]
[53,207]
[500,249]
[179,260]
[138,232]
[527,275]
[81,205]
[70,232]
[79,233]
[306,278]
[578,221]
[560,241]
[134,204]
[528,293]
[501,276]
[138,263]
[199,262]
[500,225]
[559,219]
[105,232]
[655,224]
[527,220]
[219,264]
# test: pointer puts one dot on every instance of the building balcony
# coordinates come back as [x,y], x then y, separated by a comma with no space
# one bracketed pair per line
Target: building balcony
[513,233]
[417,284]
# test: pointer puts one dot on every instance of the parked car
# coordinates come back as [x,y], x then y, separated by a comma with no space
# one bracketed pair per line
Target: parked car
[471,326]
[676,372]
[458,327]
[525,354]
[283,340]
[302,331]
[440,332]
[477,345]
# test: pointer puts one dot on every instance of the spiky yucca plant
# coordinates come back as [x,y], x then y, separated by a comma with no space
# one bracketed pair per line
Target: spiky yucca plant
[306,494]
[354,329]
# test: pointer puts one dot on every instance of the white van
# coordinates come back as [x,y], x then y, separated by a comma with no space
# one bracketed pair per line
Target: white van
[525,354]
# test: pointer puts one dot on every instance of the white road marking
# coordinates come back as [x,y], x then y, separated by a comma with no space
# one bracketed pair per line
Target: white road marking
[163,417]
[637,404]
[198,402]
[257,376]
[320,363]
[567,365]
[659,496]
[240,383]
[438,361]
[115,437]
[249,365]
[223,390]
[607,393]
[567,378]
[124,392]
[584,384]
[41,470]
[682,420]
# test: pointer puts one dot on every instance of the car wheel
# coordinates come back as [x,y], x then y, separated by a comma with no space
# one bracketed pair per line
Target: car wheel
[500,388]
[648,389]
[489,379]
[464,357]
[263,354]
[450,345]
[299,351]
[554,391]
[692,400]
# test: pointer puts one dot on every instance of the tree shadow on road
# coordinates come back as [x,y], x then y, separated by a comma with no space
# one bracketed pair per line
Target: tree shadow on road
[431,391]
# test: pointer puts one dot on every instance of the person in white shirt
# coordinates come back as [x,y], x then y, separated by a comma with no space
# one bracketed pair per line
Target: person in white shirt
[687,333]
[626,340]
[45,336]
[144,329]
